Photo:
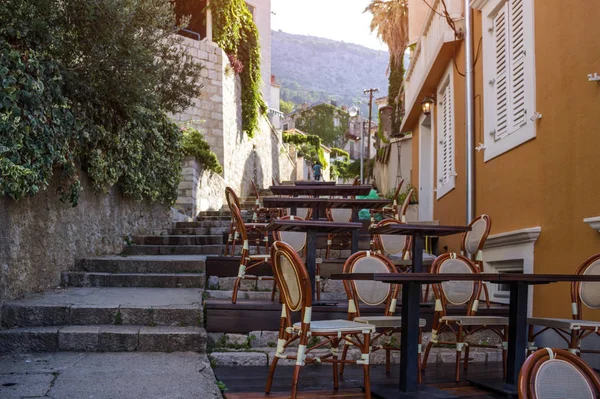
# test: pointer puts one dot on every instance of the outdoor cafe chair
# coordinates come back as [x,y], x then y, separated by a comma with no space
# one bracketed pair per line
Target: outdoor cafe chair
[258,231]
[551,373]
[297,240]
[338,215]
[461,293]
[472,245]
[296,296]
[375,293]
[574,330]
[356,181]
[392,245]
[262,214]
[387,211]
[400,212]
[247,261]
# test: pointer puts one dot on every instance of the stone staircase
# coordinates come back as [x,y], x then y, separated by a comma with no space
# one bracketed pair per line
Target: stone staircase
[147,299]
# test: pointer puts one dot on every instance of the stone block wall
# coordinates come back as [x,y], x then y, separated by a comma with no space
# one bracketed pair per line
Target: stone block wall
[40,237]
[199,190]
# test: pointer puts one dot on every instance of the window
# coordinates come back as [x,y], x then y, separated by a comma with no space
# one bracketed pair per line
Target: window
[445,130]
[508,75]
[286,126]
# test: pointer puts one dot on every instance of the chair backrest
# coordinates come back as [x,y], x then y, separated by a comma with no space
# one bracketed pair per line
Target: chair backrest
[368,292]
[555,373]
[392,244]
[339,214]
[255,190]
[231,198]
[356,181]
[402,211]
[584,293]
[456,292]
[292,279]
[474,240]
[294,239]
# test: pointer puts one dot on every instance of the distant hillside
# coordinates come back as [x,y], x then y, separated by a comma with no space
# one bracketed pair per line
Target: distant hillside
[311,69]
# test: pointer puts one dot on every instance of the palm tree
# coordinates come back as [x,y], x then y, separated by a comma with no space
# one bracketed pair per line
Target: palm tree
[390,20]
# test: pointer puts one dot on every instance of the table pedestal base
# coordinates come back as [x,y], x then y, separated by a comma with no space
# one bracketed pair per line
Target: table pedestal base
[393,392]
[496,385]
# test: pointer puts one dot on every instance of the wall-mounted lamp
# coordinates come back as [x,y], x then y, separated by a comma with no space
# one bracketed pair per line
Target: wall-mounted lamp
[426,105]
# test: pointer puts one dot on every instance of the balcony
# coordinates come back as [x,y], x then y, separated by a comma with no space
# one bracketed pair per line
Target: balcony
[433,51]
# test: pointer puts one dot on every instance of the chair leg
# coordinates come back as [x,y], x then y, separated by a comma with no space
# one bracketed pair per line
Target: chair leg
[329,242]
[318,281]
[505,350]
[530,340]
[487,295]
[344,354]
[273,291]
[388,360]
[271,374]
[334,350]
[236,287]
[466,362]
[419,358]
[295,379]
[458,358]
[366,350]
[426,357]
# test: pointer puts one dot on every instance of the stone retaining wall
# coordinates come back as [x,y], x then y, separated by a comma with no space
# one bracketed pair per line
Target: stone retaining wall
[40,237]
[199,190]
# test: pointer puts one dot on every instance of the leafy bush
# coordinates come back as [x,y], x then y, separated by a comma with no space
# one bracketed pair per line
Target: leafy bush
[194,145]
[338,152]
[76,90]
[403,194]
[308,146]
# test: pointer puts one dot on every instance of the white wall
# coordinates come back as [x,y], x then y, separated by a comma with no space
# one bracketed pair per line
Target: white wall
[262,19]
[388,175]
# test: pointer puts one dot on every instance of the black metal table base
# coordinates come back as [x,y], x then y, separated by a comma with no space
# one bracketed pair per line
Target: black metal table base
[496,385]
[392,391]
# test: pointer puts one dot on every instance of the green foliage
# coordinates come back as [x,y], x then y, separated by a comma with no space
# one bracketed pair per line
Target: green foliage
[338,152]
[380,132]
[341,169]
[403,194]
[308,146]
[221,385]
[235,32]
[396,81]
[76,90]
[286,106]
[324,120]
[194,145]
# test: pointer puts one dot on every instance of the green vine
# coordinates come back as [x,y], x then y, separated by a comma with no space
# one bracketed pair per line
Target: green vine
[236,33]
[338,152]
[324,120]
[396,81]
[380,132]
[194,145]
[309,147]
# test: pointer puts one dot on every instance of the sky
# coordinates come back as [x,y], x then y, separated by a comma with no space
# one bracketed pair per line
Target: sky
[332,19]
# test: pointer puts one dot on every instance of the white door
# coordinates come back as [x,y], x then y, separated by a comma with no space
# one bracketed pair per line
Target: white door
[425,168]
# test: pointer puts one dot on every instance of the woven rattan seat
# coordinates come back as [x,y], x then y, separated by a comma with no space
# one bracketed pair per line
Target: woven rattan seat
[386,321]
[476,320]
[568,324]
[344,326]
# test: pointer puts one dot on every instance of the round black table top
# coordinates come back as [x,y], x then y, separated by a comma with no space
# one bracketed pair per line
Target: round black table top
[322,226]
[419,229]
[327,190]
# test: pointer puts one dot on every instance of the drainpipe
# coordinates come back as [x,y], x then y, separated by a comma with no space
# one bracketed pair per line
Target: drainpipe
[469,96]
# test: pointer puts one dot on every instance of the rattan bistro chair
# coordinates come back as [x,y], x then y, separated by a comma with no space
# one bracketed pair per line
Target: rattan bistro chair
[338,215]
[557,374]
[574,330]
[461,293]
[392,245]
[294,283]
[247,261]
[262,214]
[400,213]
[257,232]
[472,245]
[374,293]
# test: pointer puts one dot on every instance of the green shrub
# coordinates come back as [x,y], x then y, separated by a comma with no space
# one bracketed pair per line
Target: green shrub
[194,145]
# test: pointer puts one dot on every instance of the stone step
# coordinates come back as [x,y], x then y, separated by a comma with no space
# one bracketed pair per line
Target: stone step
[199,231]
[199,224]
[266,295]
[223,212]
[143,264]
[179,240]
[201,218]
[173,250]
[214,283]
[159,280]
[103,338]
[118,306]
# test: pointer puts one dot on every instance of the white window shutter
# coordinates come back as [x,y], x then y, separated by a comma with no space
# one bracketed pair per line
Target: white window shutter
[518,54]
[501,74]
[447,166]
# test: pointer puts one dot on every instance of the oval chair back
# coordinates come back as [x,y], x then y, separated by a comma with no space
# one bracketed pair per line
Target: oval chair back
[231,198]
[368,292]
[397,193]
[586,293]
[339,214]
[392,244]
[456,292]
[556,373]
[473,241]
[295,239]
[292,279]
[401,213]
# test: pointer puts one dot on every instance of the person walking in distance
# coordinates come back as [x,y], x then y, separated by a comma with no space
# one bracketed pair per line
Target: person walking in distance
[317,171]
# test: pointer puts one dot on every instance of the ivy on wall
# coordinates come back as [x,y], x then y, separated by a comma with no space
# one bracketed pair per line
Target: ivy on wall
[338,152]
[193,144]
[235,32]
[380,132]
[396,93]
[309,147]
[324,120]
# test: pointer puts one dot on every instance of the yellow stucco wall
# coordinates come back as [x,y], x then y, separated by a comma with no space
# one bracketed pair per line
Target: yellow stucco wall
[552,181]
